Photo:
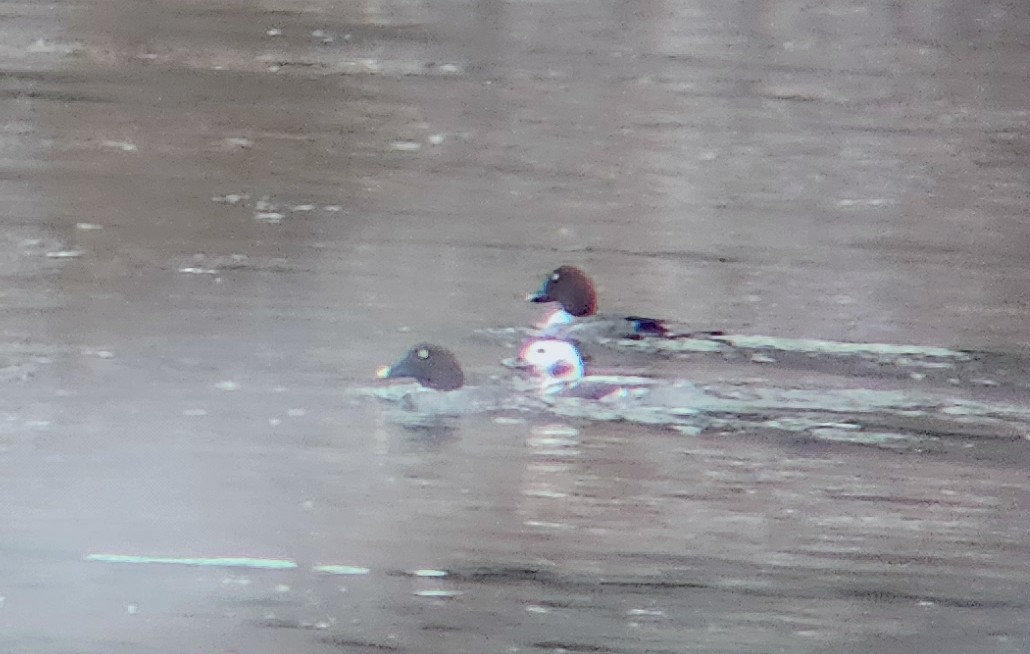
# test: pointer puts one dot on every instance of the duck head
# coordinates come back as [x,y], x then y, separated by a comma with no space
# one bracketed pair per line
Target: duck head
[432,366]
[571,288]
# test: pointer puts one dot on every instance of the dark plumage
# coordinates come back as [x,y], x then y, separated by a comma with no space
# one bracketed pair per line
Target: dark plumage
[430,365]
[571,288]
[574,291]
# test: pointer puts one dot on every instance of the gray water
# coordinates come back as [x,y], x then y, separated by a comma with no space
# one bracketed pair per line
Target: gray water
[218,217]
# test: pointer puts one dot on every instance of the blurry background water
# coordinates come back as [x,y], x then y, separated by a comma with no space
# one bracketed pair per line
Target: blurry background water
[217,216]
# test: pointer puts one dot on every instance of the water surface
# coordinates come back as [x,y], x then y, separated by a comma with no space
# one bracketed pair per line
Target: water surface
[219,216]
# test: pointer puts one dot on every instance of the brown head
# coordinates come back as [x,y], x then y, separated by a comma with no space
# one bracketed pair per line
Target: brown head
[571,288]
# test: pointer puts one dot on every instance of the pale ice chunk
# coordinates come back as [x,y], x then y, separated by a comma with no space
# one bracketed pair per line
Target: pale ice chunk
[236,581]
[227,385]
[556,430]
[504,420]
[437,593]
[42,46]
[64,254]
[270,217]
[547,525]
[868,202]
[124,146]
[406,146]
[231,198]
[88,227]
[334,569]
[650,612]
[549,494]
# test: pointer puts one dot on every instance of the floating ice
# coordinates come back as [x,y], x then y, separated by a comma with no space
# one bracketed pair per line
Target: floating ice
[124,146]
[557,430]
[437,593]
[42,46]
[229,562]
[504,420]
[428,572]
[649,612]
[231,198]
[341,569]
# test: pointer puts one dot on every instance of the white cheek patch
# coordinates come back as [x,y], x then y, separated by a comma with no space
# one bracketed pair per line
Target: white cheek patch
[553,360]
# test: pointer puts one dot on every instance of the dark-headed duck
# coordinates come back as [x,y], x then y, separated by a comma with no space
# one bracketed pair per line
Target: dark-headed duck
[577,319]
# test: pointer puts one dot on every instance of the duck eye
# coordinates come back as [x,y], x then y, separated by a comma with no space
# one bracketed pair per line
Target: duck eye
[423,353]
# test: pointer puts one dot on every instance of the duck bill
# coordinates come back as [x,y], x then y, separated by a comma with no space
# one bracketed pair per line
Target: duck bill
[399,370]
[540,295]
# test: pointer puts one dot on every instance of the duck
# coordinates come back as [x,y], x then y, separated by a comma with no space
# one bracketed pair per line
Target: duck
[557,384]
[567,390]
[441,388]
[432,366]
[574,292]
[558,368]
[576,318]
